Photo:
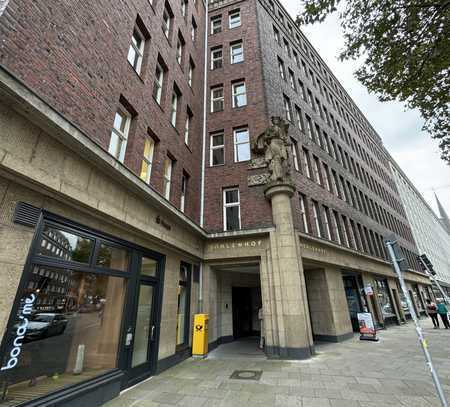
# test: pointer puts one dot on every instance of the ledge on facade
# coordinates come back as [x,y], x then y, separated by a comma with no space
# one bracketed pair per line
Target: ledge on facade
[26,102]
[241,233]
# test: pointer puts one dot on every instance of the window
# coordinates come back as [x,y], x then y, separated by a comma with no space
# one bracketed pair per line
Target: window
[237,52]
[166,21]
[326,177]
[295,155]
[231,209]
[276,34]
[217,147]
[184,183]
[241,145]
[191,72]
[234,18]
[317,170]
[147,161]
[316,216]
[119,135]
[167,177]
[345,231]
[216,24]
[193,30]
[303,215]
[302,90]
[286,47]
[239,95]
[326,222]
[292,80]
[183,7]
[187,125]
[183,307]
[217,99]
[298,114]
[216,58]
[136,50]
[337,228]
[309,127]
[180,49]
[306,162]
[287,108]
[174,108]
[281,69]
[158,84]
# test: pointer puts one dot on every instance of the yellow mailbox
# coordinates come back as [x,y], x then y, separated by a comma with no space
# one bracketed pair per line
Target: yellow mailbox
[200,339]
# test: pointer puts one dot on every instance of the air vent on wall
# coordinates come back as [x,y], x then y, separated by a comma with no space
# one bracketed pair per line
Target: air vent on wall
[26,214]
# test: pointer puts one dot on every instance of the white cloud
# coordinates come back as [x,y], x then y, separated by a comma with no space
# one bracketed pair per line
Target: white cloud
[415,152]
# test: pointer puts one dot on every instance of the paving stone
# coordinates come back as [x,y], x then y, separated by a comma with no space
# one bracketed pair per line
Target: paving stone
[315,402]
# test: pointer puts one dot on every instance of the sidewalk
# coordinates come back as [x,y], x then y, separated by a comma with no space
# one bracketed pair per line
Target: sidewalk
[355,373]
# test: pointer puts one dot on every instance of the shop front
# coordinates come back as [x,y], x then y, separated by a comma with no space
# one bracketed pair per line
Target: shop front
[86,315]
[385,301]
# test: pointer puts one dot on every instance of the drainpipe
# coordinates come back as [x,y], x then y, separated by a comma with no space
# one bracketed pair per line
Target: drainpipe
[202,186]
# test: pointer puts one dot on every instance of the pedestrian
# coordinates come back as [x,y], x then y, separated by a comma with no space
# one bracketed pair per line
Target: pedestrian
[443,311]
[432,312]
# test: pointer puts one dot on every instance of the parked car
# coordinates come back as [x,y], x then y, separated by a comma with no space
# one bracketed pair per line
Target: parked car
[44,325]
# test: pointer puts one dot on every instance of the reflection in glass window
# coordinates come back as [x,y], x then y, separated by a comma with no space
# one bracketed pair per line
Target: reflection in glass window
[68,329]
[113,257]
[143,321]
[384,300]
[148,267]
[65,246]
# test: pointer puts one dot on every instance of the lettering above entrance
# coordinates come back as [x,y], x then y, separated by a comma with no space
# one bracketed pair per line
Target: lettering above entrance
[311,248]
[241,244]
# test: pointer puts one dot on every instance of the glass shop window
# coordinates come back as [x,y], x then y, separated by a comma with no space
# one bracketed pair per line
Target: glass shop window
[384,299]
[183,306]
[67,330]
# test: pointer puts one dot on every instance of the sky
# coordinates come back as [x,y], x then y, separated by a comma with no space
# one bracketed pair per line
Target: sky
[400,129]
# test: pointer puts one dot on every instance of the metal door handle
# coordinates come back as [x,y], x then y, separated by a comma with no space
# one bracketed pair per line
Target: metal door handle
[152,334]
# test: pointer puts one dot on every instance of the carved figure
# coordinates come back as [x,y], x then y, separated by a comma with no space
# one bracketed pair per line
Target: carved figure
[274,145]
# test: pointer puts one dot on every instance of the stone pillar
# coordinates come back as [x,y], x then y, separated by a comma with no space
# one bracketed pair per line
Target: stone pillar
[289,328]
[328,306]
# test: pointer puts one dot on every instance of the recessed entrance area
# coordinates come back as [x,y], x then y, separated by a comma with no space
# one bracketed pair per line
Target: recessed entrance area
[235,326]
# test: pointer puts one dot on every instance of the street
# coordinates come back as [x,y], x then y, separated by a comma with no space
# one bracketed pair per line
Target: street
[354,373]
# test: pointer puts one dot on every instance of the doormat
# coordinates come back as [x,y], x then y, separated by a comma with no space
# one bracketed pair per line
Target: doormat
[246,374]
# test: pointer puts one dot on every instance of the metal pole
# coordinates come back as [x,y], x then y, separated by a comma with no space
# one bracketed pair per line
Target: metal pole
[445,296]
[422,340]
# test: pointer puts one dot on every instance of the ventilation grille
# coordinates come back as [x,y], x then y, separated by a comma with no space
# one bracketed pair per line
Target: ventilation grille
[26,214]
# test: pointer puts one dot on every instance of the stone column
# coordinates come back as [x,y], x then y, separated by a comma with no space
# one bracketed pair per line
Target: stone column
[330,318]
[291,331]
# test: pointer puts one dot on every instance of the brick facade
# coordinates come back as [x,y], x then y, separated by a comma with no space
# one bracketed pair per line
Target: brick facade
[75,57]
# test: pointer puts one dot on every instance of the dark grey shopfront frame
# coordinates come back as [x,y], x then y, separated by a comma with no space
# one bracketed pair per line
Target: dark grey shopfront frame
[104,387]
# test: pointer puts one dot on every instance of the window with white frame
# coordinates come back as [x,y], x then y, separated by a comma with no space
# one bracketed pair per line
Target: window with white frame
[119,134]
[298,114]
[216,24]
[193,30]
[158,84]
[174,108]
[147,160]
[309,127]
[337,227]
[217,99]
[216,58]
[316,217]
[286,47]
[237,52]
[217,149]
[235,18]
[326,177]
[184,4]
[167,177]
[287,108]
[187,126]
[166,21]
[184,184]
[303,214]
[295,154]
[241,144]
[281,69]
[191,73]
[136,50]
[239,94]
[276,34]
[306,162]
[292,80]
[231,209]
[180,49]
[317,171]
[326,222]
[344,231]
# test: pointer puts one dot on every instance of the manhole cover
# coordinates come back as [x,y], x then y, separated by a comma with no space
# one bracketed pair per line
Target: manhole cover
[246,374]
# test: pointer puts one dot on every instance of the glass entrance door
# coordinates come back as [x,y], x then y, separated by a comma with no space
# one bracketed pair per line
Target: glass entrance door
[142,330]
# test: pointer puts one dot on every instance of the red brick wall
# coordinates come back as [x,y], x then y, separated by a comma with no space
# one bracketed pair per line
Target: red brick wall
[74,55]
[255,210]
